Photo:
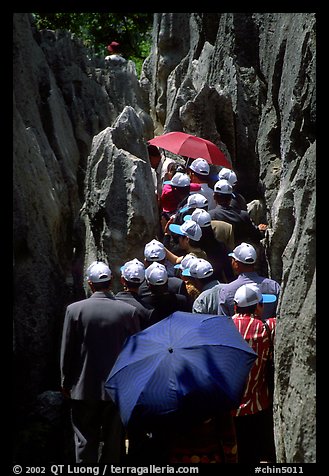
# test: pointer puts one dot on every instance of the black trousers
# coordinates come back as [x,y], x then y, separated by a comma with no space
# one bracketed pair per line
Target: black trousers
[98,432]
[255,437]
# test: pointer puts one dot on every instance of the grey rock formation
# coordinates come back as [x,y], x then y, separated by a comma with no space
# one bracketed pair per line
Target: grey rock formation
[61,102]
[120,211]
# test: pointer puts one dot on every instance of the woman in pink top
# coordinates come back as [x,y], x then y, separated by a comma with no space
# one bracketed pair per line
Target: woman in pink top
[175,190]
[253,418]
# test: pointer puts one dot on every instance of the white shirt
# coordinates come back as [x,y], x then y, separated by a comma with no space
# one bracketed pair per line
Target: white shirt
[114,60]
[208,192]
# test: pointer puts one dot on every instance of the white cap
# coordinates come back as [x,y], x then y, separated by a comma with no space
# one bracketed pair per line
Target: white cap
[196,200]
[89,267]
[98,272]
[228,175]
[245,253]
[200,166]
[199,268]
[133,271]
[188,228]
[223,187]
[154,251]
[186,261]
[180,179]
[200,216]
[250,294]
[156,274]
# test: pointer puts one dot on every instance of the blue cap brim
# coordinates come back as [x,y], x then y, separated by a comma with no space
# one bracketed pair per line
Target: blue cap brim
[269,297]
[175,229]
[177,266]
[184,209]
[167,182]
[186,272]
[187,217]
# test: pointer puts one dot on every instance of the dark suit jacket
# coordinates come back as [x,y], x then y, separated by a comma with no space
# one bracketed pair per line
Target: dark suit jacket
[134,300]
[94,332]
[165,304]
[244,228]
[175,286]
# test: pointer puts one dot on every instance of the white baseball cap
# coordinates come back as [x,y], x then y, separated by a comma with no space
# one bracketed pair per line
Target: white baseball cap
[195,200]
[199,268]
[223,187]
[249,294]
[133,271]
[185,263]
[228,175]
[156,274]
[200,166]
[180,179]
[245,253]
[200,216]
[98,272]
[154,251]
[188,228]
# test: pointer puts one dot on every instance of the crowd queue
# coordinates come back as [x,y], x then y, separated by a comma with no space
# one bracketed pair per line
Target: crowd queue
[205,259]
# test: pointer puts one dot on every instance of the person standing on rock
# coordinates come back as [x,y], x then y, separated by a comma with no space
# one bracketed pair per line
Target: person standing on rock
[94,332]
[115,57]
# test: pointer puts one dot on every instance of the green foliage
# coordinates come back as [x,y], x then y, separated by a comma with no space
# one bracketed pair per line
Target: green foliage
[97,30]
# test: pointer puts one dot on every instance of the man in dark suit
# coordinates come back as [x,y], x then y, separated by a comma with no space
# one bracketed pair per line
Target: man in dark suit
[160,299]
[94,332]
[243,227]
[132,276]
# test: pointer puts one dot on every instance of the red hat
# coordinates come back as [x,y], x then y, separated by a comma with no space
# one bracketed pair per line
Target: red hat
[112,47]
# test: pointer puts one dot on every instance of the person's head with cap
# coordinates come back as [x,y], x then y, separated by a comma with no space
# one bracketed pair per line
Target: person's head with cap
[180,185]
[99,276]
[185,262]
[229,175]
[200,272]
[195,200]
[199,170]
[179,180]
[200,216]
[154,251]
[132,274]
[244,257]
[223,192]
[248,299]
[157,277]
[189,233]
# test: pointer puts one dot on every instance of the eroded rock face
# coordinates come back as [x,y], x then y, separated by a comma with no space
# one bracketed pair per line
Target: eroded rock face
[120,211]
[62,100]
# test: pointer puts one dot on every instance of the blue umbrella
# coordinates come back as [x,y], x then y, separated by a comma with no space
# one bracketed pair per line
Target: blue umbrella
[187,365]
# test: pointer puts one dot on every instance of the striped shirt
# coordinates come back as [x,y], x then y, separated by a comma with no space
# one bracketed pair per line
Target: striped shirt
[256,396]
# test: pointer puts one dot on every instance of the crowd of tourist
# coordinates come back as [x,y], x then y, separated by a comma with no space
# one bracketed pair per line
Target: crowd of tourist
[204,260]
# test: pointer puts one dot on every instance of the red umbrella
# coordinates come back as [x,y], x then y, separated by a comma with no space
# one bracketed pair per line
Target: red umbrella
[191,146]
